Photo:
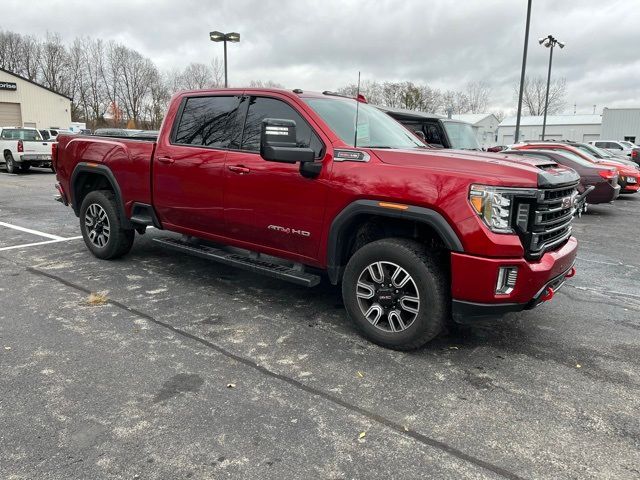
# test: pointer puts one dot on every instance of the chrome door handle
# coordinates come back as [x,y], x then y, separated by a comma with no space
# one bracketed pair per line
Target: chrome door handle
[239,169]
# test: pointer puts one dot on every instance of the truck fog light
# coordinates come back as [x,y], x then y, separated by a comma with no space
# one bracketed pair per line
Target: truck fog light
[507,277]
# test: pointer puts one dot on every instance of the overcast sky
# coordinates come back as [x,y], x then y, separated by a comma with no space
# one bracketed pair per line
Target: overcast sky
[320,45]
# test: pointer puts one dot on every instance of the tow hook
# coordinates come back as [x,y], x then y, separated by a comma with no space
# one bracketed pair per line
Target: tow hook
[571,272]
[547,295]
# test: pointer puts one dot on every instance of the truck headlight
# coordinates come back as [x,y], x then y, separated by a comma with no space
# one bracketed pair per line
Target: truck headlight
[493,205]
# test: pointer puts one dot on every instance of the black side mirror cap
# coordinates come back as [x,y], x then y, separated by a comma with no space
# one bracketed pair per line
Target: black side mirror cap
[278,142]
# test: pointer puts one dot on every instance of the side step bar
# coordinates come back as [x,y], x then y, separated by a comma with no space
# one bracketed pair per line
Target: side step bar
[274,270]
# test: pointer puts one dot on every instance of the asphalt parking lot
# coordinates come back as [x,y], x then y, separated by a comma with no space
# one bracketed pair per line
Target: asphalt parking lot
[189,369]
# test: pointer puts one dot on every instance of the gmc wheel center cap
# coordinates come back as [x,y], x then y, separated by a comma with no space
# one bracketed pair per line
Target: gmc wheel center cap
[386,296]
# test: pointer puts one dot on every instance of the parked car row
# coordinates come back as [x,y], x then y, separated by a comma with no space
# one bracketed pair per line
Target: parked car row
[604,175]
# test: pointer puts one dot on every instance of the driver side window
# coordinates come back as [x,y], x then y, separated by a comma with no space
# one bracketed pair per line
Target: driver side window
[263,107]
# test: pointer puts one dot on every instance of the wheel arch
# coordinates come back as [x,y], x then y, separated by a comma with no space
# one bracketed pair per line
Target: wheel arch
[416,221]
[88,177]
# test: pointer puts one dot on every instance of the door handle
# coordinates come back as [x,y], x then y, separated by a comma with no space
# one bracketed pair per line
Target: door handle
[165,159]
[242,170]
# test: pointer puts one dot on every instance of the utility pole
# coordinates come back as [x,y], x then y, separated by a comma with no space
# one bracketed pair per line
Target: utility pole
[549,41]
[524,65]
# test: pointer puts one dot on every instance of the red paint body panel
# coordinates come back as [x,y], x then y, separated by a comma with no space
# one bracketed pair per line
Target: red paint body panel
[474,278]
[237,198]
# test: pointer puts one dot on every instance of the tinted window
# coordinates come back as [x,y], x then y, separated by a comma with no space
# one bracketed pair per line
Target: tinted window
[206,121]
[261,108]
[21,134]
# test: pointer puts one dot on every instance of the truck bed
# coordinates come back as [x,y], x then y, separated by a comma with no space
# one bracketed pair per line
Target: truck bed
[129,160]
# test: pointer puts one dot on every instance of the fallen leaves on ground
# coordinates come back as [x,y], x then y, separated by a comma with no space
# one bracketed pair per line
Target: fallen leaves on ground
[360,374]
[96,299]
[231,385]
[362,435]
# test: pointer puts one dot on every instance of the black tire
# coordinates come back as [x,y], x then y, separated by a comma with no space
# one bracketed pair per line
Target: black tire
[429,280]
[119,240]
[24,168]
[10,163]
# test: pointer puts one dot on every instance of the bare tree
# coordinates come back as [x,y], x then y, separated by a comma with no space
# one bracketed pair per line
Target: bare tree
[54,64]
[264,84]
[196,76]
[454,102]
[10,52]
[371,89]
[217,72]
[499,114]
[478,96]
[29,57]
[534,91]
[136,73]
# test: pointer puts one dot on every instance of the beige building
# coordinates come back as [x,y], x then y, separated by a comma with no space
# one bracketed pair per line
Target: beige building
[28,104]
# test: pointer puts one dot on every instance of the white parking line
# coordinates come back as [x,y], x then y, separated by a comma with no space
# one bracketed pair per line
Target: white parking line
[40,243]
[33,232]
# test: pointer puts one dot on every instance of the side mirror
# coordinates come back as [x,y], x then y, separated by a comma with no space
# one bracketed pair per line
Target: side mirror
[278,142]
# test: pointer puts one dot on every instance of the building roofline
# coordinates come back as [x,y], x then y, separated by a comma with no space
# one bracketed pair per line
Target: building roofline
[34,83]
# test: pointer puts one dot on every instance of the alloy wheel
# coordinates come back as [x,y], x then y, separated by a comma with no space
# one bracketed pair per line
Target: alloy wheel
[97,224]
[388,296]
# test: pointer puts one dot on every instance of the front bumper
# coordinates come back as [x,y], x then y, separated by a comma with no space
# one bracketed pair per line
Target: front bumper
[474,279]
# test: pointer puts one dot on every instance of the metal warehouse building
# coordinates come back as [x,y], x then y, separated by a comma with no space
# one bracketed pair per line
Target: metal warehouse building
[579,128]
[621,124]
[28,104]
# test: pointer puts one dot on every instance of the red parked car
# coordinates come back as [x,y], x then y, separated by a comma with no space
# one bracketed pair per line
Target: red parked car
[628,177]
[604,180]
[413,234]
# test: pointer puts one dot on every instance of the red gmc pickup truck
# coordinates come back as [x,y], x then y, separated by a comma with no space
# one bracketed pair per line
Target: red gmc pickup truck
[283,183]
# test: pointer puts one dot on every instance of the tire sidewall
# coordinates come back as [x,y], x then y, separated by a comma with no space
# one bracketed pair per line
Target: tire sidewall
[431,314]
[109,250]
[10,164]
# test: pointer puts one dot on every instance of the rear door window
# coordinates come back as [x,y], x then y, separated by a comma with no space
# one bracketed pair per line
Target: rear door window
[207,121]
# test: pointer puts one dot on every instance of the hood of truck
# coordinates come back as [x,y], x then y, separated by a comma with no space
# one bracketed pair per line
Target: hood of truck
[498,169]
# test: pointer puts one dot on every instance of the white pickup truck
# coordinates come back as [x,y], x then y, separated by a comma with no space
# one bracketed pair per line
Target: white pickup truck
[23,148]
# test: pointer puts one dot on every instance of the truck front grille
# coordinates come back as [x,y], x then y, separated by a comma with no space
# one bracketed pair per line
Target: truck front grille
[549,220]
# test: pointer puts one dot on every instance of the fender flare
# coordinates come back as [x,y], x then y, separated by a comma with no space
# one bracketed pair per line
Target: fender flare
[85,167]
[335,241]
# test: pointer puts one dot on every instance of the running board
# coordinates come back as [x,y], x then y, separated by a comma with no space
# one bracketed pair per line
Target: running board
[274,270]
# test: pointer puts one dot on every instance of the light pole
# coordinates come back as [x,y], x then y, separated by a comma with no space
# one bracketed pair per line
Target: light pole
[524,66]
[549,41]
[225,37]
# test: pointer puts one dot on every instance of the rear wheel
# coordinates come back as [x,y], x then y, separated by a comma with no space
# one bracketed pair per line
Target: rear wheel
[396,293]
[11,163]
[101,226]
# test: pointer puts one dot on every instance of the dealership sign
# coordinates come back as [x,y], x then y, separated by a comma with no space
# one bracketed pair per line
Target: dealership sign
[8,86]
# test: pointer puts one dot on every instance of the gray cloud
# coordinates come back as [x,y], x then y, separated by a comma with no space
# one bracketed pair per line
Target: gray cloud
[321,45]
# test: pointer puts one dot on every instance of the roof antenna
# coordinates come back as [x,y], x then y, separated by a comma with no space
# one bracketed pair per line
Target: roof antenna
[355,139]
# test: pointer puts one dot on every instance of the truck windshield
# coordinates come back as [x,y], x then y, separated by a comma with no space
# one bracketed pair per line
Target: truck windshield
[461,135]
[375,128]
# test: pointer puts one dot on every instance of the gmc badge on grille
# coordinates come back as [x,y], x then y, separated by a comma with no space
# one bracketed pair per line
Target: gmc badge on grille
[567,202]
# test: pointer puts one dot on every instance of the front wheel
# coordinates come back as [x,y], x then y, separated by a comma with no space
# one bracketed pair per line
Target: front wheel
[396,293]
[102,227]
